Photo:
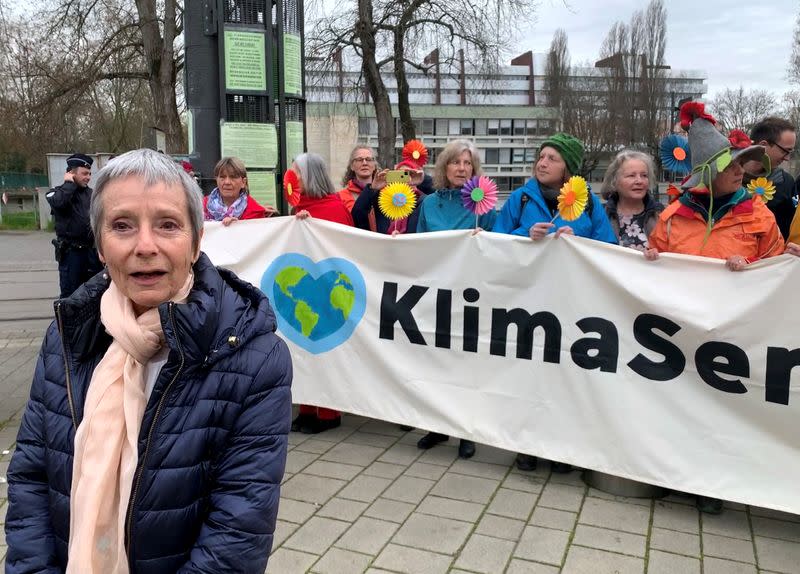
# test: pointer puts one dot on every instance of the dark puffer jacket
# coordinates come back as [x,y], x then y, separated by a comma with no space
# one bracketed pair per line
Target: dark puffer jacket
[212,448]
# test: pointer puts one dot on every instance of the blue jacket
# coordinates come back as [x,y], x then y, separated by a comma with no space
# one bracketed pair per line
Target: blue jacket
[444,210]
[511,221]
[212,447]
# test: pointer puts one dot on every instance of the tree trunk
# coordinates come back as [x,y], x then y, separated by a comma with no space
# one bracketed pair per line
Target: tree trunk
[403,105]
[160,60]
[365,30]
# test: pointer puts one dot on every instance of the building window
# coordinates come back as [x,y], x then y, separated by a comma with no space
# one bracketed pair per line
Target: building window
[519,127]
[441,127]
[480,127]
[493,127]
[518,155]
[531,127]
[505,127]
[530,154]
[466,127]
[427,127]
[505,155]
[492,155]
[454,128]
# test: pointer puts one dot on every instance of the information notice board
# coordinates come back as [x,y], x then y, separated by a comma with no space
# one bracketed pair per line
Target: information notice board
[255,144]
[245,60]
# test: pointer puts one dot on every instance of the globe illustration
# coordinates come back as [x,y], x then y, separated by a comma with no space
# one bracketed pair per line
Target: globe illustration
[316,307]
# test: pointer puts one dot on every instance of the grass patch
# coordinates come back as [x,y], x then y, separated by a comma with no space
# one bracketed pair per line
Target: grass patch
[19,220]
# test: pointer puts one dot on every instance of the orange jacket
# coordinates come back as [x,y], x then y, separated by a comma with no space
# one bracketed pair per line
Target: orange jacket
[349,194]
[794,231]
[747,229]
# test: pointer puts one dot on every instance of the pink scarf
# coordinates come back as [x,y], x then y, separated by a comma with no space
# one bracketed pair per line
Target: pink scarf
[106,451]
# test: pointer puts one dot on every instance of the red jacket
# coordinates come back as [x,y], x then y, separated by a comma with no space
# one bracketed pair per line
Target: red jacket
[329,208]
[253,209]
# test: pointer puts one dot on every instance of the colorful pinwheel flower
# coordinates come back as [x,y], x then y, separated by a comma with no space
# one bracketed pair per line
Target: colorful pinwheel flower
[415,151]
[761,187]
[291,187]
[573,198]
[479,195]
[397,200]
[674,152]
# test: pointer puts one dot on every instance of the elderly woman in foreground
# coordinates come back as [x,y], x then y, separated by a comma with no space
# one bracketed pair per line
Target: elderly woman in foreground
[155,437]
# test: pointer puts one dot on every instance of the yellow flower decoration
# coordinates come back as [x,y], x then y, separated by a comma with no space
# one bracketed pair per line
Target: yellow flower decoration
[397,200]
[573,198]
[761,187]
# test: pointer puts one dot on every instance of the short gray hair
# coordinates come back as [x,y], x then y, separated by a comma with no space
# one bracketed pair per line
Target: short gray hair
[154,168]
[316,182]
[452,151]
[611,179]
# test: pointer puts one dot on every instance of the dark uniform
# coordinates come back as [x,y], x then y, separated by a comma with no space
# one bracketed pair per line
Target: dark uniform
[75,251]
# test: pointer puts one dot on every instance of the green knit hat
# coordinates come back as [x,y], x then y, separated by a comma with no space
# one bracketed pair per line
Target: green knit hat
[570,148]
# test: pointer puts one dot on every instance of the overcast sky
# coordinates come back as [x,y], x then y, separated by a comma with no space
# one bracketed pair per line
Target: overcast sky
[734,42]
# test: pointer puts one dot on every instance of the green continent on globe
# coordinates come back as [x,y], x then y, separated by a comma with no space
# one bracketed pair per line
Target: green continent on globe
[289,277]
[306,316]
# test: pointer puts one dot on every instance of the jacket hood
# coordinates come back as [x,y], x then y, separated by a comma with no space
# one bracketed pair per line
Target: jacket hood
[221,313]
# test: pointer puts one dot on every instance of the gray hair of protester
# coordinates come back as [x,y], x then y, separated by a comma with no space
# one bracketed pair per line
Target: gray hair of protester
[152,168]
[451,152]
[314,176]
[611,179]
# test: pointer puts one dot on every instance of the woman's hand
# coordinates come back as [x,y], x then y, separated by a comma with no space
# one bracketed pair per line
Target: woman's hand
[736,262]
[651,254]
[539,230]
[417,176]
[379,181]
[566,230]
[476,231]
[302,214]
[270,211]
[395,233]
[226,221]
[793,249]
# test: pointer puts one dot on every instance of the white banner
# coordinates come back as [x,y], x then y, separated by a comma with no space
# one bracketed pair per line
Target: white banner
[675,372]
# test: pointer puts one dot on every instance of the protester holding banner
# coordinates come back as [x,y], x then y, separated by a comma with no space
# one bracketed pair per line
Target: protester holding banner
[231,200]
[532,210]
[716,216]
[360,172]
[444,209]
[630,208]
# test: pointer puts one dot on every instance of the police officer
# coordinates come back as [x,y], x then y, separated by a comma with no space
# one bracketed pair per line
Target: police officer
[75,251]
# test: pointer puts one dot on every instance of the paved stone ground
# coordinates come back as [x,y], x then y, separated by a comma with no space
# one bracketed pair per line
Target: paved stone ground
[363,499]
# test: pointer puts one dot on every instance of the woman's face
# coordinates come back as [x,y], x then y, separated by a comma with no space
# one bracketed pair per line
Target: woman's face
[459,169]
[146,240]
[729,180]
[633,180]
[230,186]
[550,169]
[363,164]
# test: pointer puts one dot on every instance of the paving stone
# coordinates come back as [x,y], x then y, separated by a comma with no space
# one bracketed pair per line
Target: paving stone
[409,489]
[573,478]
[283,530]
[561,497]
[309,488]
[365,488]
[485,555]
[481,469]
[335,435]
[443,455]
[357,454]
[612,540]
[385,470]
[730,523]
[433,533]
[729,548]
[542,545]
[316,535]
[425,470]
[718,566]
[342,509]
[595,493]
[494,455]
[295,510]
[412,560]
[512,504]
[449,508]
[371,439]
[674,516]
[392,510]
[524,567]
[285,561]
[769,527]
[582,560]
[377,571]
[296,461]
[552,518]
[333,469]
[664,563]
[462,487]
[382,427]
[338,561]
[526,482]
[403,454]
[626,517]
[677,542]
[367,535]
[500,527]
[314,446]
[778,555]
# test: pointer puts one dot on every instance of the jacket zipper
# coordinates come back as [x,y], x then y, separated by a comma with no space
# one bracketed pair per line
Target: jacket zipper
[66,367]
[143,459]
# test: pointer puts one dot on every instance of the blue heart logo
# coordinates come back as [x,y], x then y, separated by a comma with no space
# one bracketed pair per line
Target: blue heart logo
[318,305]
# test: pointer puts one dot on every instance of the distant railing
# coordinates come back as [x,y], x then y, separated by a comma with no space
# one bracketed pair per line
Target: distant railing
[11,180]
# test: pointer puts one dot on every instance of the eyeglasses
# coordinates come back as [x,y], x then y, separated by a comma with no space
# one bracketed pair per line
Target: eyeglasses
[786,152]
[363,159]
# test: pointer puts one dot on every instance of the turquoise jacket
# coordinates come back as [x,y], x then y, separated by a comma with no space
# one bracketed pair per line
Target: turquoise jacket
[443,210]
[516,219]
